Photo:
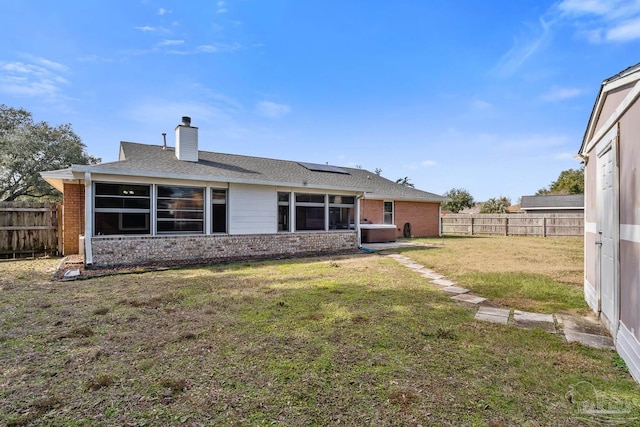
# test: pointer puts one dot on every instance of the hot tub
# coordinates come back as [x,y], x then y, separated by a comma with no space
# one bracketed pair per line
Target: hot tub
[378,233]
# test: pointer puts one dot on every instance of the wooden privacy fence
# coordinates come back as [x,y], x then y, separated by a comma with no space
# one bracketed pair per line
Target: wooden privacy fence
[28,228]
[545,225]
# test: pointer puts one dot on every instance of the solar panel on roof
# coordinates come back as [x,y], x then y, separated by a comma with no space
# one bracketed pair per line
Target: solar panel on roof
[323,168]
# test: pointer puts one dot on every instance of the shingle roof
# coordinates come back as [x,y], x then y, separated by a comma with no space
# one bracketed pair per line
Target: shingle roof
[569,201]
[154,161]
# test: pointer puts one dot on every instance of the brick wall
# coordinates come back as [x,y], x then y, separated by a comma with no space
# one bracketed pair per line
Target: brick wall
[424,217]
[133,250]
[73,217]
[372,211]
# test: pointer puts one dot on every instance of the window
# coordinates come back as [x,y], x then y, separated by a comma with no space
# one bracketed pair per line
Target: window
[218,211]
[180,210]
[283,212]
[341,212]
[121,209]
[310,212]
[388,212]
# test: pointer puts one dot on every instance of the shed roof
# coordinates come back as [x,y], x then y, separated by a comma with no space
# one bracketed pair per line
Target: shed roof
[568,201]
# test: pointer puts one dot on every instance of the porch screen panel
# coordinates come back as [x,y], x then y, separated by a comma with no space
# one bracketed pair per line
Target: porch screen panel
[121,209]
[341,212]
[180,210]
[310,212]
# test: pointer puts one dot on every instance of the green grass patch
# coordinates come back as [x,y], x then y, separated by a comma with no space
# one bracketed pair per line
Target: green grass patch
[524,291]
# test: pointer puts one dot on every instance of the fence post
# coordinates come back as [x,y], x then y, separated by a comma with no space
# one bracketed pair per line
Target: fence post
[506,225]
[472,225]
[544,226]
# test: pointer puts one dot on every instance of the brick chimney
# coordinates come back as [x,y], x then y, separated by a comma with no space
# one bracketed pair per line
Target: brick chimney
[187,141]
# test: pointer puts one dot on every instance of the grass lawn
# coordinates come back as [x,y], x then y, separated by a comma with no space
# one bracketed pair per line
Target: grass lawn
[353,340]
[537,274]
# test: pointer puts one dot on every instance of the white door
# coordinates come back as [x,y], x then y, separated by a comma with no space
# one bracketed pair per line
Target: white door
[607,223]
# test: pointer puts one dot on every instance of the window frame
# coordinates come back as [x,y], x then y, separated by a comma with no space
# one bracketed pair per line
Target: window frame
[122,211]
[390,213]
[159,219]
[225,202]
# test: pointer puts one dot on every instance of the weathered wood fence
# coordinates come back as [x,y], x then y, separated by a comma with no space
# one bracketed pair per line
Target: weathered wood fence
[29,229]
[545,225]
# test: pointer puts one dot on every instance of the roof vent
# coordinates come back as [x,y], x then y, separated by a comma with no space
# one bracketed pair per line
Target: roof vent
[187,141]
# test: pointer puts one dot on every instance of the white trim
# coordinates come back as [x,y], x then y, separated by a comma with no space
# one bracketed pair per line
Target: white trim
[591,296]
[630,232]
[590,227]
[628,347]
[623,81]
[88,218]
[609,143]
[613,119]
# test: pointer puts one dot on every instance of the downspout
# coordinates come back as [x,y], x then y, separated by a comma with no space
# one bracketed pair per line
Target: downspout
[440,219]
[357,219]
[88,218]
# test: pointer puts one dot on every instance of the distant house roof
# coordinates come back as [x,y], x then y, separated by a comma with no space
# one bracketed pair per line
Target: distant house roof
[569,201]
[142,160]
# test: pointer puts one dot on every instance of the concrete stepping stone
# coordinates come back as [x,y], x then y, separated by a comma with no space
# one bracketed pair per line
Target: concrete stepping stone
[590,340]
[493,315]
[526,319]
[455,290]
[470,298]
[443,282]
[585,330]
[432,276]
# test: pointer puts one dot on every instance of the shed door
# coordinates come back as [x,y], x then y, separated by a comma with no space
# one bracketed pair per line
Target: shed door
[607,229]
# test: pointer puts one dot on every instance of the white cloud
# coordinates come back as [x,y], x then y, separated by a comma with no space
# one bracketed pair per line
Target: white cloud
[599,7]
[429,163]
[524,48]
[163,11]
[272,110]
[219,47]
[626,31]
[222,10]
[171,42]
[602,21]
[565,156]
[479,104]
[560,94]
[150,29]
[39,77]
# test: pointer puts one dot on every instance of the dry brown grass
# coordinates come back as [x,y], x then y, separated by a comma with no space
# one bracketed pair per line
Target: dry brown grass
[355,340]
[558,258]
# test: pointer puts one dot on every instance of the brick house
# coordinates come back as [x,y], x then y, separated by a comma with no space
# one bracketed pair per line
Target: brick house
[159,203]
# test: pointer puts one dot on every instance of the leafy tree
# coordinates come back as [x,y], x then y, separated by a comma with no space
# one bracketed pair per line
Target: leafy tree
[27,148]
[378,171]
[496,205]
[570,181]
[405,181]
[460,199]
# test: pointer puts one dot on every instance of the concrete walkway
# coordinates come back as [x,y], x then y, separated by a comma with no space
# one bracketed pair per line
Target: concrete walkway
[585,330]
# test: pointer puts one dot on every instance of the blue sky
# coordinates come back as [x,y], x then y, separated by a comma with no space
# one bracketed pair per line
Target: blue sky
[488,95]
